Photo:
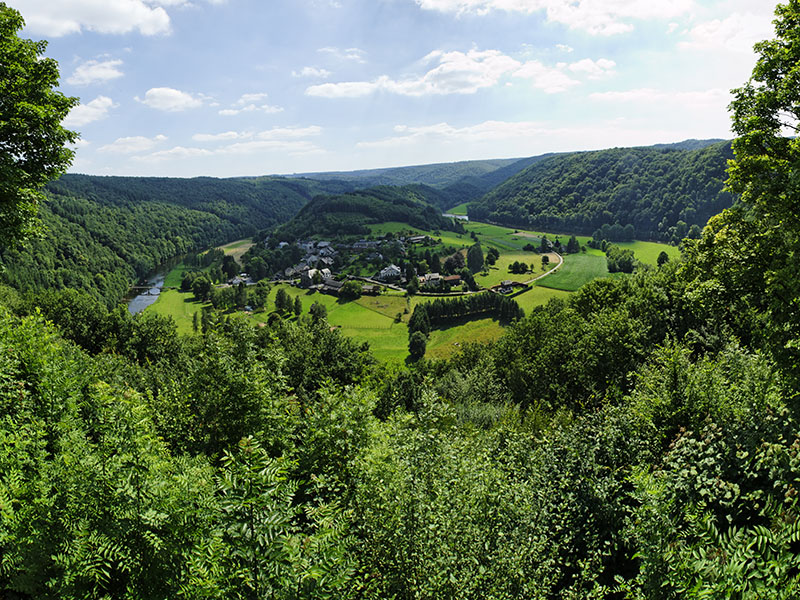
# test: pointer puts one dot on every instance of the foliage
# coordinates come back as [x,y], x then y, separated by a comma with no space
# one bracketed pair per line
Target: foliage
[32,139]
[651,189]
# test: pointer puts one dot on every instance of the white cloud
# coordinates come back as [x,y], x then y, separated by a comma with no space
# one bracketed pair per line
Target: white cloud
[737,33]
[550,80]
[62,17]
[564,48]
[649,96]
[445,133]
[594,69]
[170,100]
[456,73]
[312,72]
[283,133]
[597,17]
[179,152]
[132,145]
[94,71]
[250,103]
[220,137]
[83,114]
[285,140]
[354,54]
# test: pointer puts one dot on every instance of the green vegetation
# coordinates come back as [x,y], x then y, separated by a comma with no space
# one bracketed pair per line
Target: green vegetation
[577,270]
[351,214]
[660,192]
[637,438]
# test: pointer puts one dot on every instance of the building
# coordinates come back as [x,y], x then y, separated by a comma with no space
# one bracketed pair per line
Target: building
[389,273]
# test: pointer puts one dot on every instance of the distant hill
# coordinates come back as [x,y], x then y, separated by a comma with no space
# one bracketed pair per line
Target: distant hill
[350,214]
[106,232]
[439,175]
[661,191]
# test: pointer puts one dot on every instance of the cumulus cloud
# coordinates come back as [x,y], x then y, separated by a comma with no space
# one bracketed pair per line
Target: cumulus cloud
[55,19]
[551,80]
[133,144]
[446,133]
[353,54]
[648,96]
[94,71]
[286,140]
[220,137]
[251,103]
[466,73]
[597,17]
[170,99]
[455,73]
[83,114]
[738,33]
[593,69]
[312,72]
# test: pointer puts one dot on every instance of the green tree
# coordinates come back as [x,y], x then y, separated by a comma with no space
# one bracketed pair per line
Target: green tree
[351,290]
[475,258]
[32,139]
[416,345]
[663,258]
[298,306]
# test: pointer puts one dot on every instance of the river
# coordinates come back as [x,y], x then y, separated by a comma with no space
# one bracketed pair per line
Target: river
[155,282]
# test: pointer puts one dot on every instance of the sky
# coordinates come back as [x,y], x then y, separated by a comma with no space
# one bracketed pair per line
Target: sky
[227,88]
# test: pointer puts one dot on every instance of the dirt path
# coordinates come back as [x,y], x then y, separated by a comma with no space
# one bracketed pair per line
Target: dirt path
[553,270]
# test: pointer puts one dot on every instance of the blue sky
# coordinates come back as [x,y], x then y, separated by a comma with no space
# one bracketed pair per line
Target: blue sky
[252,87]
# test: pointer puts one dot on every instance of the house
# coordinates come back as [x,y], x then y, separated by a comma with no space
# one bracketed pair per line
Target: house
[390,272]
[331,286]
[307,278]
[370,290]
[416,239]
[328,262]
[452,280]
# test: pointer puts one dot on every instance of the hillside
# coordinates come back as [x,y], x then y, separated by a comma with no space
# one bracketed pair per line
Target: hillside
[435,175]
[662,192]
[350,214]
[103,233]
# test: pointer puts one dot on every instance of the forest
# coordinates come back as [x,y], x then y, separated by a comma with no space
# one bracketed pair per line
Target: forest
[638,440]
[661,191]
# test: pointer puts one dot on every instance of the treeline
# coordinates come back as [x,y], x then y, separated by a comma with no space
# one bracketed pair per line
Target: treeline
[105,233]
[350,214]
[441,310]
[661,192]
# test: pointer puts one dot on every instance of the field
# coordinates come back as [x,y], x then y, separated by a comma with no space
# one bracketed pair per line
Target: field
[237,248]
[577,270]
[461,209]
[178,305]
[372,319]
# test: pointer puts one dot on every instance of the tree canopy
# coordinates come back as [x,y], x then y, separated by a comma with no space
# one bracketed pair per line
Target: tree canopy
[32,141]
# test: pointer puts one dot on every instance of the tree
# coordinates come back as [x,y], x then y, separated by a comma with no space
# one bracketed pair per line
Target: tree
[545,261]
[663,258]
[318,312]
[573,246]
[32,139]
[417,344]
[351,290]
[475,258]
[282,301]
[298,306]
[201,288]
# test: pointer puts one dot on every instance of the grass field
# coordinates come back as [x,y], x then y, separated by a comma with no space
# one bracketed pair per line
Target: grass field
[446,341]
[577,270]
[539,295]
[178,305]
[237,248]
[461,209]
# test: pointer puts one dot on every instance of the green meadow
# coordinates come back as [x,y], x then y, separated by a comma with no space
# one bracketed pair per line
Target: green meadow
[373,319]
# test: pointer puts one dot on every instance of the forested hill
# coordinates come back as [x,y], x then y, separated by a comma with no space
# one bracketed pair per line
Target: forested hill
[350,214]
[661,191]
[103,233]
[436,175]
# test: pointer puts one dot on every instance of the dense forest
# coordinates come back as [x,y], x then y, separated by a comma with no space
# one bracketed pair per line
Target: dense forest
[350,214]
[661,191]
[637,440]
[104,233]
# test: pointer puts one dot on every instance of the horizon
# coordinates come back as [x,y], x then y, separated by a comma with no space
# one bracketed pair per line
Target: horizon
[233,88]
